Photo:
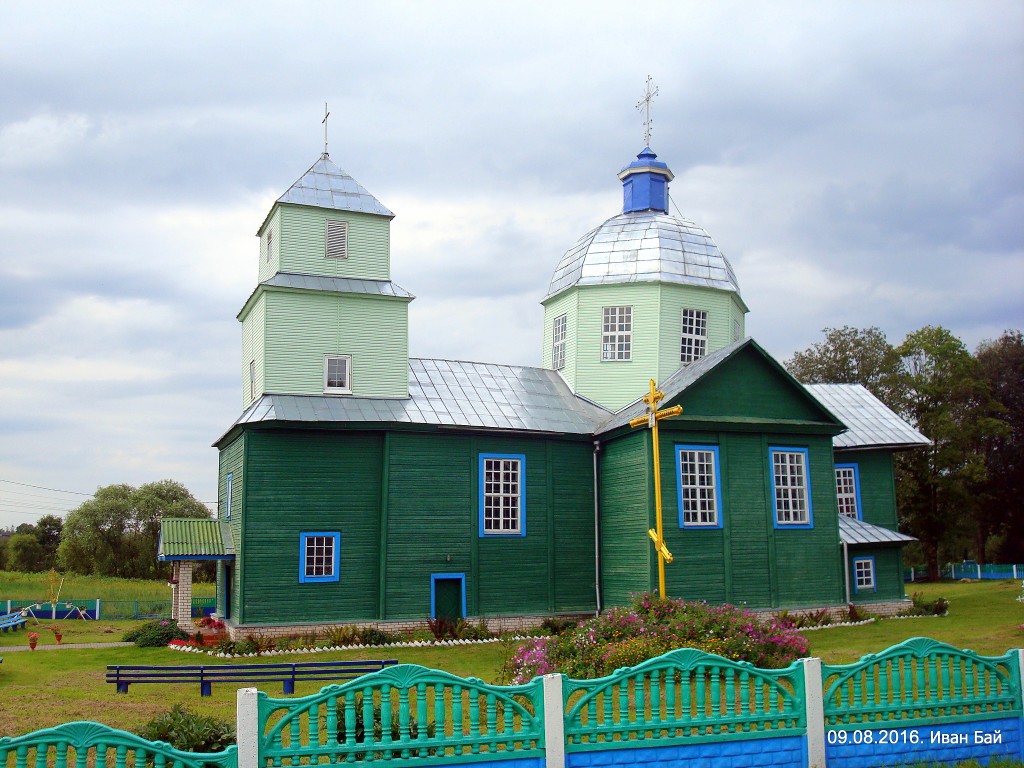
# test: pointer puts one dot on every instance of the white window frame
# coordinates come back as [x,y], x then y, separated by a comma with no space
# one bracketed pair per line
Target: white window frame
[252,380]
[228,483]
[693,336]
[699,487]
[864,575]
[558,326]
[336,235]
[616,334]
[322,546]
[502,494]
[346,387]
[736,330]
[791,487]
[848,491]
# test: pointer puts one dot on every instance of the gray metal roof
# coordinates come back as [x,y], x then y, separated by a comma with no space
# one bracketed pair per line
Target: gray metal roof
[325,185]
[453,393]
[644,247]
[853,531]
[338,284]
[870,422]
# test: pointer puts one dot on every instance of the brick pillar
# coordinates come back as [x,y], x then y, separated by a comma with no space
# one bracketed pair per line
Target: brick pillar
[181,610]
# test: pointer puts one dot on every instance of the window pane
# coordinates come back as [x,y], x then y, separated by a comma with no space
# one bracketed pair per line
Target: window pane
[698,487]
[694,338]
[788,472]
[501,495]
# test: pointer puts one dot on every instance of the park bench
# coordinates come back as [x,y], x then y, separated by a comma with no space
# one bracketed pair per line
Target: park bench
[206,676]
[12,621]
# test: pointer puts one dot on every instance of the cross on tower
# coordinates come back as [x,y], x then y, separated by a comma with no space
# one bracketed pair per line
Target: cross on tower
[651,419]
[645,106]
[324,121]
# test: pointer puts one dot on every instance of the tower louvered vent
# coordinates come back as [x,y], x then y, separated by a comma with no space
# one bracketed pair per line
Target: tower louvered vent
[337,240]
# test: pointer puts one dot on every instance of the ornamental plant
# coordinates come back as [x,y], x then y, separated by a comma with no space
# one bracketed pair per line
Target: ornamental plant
[649,627]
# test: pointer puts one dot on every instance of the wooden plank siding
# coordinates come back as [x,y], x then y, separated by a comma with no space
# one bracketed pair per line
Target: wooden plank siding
[425,521]
[721,306]
[875,473]
[232,461]
[303,326]
[254,329]
[303,239]
[270,267]
[888,574]
[567,304]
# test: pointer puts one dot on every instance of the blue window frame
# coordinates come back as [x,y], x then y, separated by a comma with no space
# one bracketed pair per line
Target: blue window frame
[791,487]
[699,486]
[227,494]
[319,554]
[848,491]
[502,494]
[864,575]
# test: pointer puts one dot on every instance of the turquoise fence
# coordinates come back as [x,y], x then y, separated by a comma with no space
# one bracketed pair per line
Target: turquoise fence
[967,570]
[919,701]
[684,696]
[403,715]
[95,745]
[107,609]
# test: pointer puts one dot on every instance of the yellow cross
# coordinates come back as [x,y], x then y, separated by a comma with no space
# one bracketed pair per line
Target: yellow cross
[651,419]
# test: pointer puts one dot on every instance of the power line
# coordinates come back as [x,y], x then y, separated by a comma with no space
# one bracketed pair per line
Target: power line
[44,488]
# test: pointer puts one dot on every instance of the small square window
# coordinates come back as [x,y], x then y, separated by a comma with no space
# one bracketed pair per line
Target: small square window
[337,240]
[558,343]
[318,553]
[502,490]
[617,333]
[338,374]
[864,574]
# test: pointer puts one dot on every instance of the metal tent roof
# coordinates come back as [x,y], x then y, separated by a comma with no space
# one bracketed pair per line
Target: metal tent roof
[325,185]
[870,422]
[854,531]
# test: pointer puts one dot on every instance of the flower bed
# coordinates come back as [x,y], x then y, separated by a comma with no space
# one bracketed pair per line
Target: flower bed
[650,627]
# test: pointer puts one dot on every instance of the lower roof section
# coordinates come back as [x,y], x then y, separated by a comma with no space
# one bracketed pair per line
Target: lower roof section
[195,538]
[854,531]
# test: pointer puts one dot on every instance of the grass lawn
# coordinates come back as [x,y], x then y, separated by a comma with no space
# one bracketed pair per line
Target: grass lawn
[43,689]
[36,586]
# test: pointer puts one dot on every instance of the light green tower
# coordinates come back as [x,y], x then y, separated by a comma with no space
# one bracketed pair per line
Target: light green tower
[325,318]
[638,296]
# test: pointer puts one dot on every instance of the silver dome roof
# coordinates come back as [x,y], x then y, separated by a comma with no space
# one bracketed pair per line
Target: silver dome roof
[646,246]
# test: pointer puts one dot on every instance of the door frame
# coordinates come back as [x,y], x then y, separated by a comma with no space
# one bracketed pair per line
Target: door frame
[434,578]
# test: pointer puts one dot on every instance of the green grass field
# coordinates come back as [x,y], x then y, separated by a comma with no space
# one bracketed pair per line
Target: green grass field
[36,586]
[41,689]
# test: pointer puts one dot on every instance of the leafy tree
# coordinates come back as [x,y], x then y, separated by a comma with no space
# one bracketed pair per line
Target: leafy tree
[24,553]
[948,400]
[853,356]
[115,533]
[1002,367]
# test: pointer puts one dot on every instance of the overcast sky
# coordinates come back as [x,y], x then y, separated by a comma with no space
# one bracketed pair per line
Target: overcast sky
[859,164]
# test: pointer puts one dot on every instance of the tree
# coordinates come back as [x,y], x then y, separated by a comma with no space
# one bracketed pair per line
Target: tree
[24,553]
[853,356]
[115,533]
[948,400]
[1002,367]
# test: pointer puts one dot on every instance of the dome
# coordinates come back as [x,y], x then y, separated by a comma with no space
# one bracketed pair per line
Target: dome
[644,246]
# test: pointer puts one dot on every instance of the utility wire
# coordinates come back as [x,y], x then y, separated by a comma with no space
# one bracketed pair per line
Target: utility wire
[44,488]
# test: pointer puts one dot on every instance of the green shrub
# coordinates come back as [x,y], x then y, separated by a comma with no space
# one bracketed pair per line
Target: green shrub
[155,634]
[556,625]
[186,730]
[937,607]
[346,635]
[375,636]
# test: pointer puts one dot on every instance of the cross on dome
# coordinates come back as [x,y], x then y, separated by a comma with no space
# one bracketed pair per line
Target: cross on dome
[644,105]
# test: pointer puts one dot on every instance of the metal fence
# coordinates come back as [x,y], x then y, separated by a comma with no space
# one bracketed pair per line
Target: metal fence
[105,609]
[967,570]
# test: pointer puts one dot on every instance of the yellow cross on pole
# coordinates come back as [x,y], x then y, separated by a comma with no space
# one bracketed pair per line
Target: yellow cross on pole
[651,419]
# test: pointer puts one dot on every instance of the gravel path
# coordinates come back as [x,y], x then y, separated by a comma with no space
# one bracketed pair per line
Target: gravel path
[48,647]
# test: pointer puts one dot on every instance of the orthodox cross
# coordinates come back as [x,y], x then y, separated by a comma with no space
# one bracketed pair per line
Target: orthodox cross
[324,121]
[651,419]
[644,105]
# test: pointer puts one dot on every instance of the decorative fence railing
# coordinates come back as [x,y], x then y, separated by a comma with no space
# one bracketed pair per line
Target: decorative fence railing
[98,746]
[683,696]
[967,570]
[105,609]
[920,701]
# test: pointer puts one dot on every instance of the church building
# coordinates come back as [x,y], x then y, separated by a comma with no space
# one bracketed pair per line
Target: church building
[362,485]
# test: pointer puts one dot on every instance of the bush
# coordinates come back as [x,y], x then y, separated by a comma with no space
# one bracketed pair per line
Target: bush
[937,607]
[375,636]
[650,627]
[155,634]
[345,635]
[556,625]
[378,729]
[186,730]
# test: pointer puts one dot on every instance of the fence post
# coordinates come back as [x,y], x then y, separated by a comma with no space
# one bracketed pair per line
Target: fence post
[247,727]
[554,722]
[814,709]
[97,609]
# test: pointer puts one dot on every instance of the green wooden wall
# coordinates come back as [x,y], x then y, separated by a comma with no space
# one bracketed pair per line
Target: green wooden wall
[877,485]
[232,461]
[888,574]
[406,504]
[300,243]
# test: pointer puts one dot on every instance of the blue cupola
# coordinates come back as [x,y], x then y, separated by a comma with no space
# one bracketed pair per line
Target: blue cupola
[645,184]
